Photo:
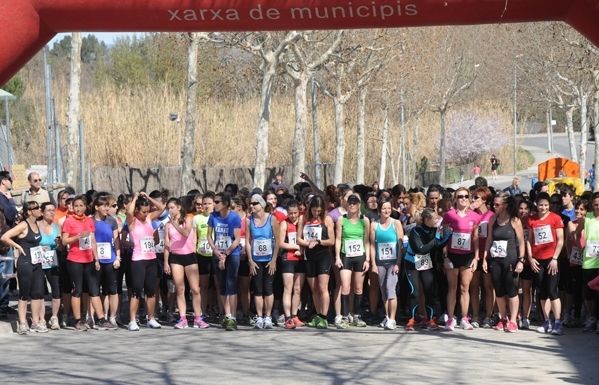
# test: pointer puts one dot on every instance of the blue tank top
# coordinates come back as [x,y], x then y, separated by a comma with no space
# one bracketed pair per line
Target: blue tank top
[49,240]
[263,242]
[104,240]
[386,244]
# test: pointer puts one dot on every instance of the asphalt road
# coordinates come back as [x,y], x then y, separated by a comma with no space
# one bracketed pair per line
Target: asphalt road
[560,146]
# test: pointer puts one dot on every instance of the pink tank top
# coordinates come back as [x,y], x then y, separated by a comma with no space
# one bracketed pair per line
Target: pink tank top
[142,237]
[461,241]
[180,244]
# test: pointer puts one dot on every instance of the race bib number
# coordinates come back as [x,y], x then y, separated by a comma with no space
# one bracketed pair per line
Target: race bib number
[85,243]
[37,254]
[483,229]
[354,247]
[104,250]
[461,241]
[387,251]
[223,243]
[205,248]
[49,260]
[292,238]
[575,256]
[592,248]
[312,233]
[262,247]
[423,262]
[147,245]
[159,248]
[543,235]
[499,249]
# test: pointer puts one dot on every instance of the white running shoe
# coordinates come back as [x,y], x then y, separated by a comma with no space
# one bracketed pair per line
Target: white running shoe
[267,323]
[133,326]
[390,325]
[384,322]
[153,324]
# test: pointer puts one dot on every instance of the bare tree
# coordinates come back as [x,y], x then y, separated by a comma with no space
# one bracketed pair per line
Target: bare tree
[73,110]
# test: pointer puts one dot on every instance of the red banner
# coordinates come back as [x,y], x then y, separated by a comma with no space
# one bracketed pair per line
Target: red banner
[26,25]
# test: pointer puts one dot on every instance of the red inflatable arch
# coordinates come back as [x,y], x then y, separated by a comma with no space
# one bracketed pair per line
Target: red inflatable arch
[27,25]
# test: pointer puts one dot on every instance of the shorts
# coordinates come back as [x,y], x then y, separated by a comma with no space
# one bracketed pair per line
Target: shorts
[292,267]
[527,273]
[547,285]
[205,265]
[318,265]
[355,264]
[183,259]
[244,268]
[460,260]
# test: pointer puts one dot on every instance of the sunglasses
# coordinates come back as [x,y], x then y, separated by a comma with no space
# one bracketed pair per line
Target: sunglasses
[254,203]
[476,197]
[36,180]
[462,196]
[217,201]
[34,208]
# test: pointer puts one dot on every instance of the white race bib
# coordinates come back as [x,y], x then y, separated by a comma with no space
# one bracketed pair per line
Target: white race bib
[159,248]
[85,243]
[49,259]
[592,249]
[147,245]
[312,232]
[461,241]
[576,256]
[104,250]
[37,254]
[499,249]
[543,235]
[292,238]
[222,243]
[262,247]
[354,247]
[387,251]
[205,248]
[423,262]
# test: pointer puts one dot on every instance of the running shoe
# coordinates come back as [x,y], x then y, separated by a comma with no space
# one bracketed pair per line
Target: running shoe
[90,323]
[314,321]
[253,320]
[231,325]
[39,328]
[280,320]
[486,323]
[444,318]
[153,324]
[475,324]
[411,325]
[450,324]
[104,324]
[63,322]
[465,324]
[432,325]
[384,322]
[338,319]
[545,327]
[54,324]
[200,323]
[297,322]
[289,324]
[133,326]
[501,325]
[114,322]
[525,324]
[267,323]
[358,322]
[511,327]
[259,323]
[557,328]
[589,325]
[182,324]
[390,325]
[322,323]
[22,328]
[81,326]
[343,324]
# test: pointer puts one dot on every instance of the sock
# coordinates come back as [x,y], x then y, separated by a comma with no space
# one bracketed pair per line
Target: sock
[358,304]
[344,305]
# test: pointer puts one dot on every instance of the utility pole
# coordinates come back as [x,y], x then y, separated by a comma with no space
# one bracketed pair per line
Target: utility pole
[402,142]
[315,137]
[82,157]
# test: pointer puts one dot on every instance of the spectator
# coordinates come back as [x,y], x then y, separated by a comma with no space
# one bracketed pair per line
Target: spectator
[494,165]
[8,216]
[7,203]
[514,189]
[36,193]
[278,183]
[476,171]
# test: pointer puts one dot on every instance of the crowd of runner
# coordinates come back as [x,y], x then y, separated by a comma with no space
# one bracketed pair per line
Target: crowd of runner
[292,257]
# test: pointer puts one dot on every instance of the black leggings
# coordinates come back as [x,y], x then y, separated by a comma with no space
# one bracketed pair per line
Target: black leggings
[107,278]
[505,281]
[144,277]
[124,271]
[80,272]
[427,280]
[66,285]
[574,288]
[53,276]
[262,281]
[30,278]
[547,284]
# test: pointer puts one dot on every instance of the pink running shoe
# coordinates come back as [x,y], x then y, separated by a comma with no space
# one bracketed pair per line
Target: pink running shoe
[465,324]
[501,325]
[199,323]
[450,324]
[182,324]
[512,327]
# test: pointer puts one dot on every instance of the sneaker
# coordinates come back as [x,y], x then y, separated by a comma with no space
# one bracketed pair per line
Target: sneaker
[81,326]
[557,328]
[54,324]
[486,324]
[200,323]
[113,321]
[589,325]
[280,320]
[133,326]
[410,325]
[322,323]
[259,323]
[170,318]
[104,324]
[501,325]
[525,324]
[22,328]
[289,324]
[343,324]
[384,322]
[297,322]
[390,325]
[545,328]
[268,323]
[39,328]
[450,324]
[63,322]
[90,323]
[182,324]
[153,324]
[432,325]
[231,324]
[511,327]
[465,324]
[358,322]
[475,324]
[338,319]
[253,320]
[444,318]
[314,321]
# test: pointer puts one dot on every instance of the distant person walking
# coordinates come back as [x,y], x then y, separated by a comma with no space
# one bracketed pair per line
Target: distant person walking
[476,171]
[494,165]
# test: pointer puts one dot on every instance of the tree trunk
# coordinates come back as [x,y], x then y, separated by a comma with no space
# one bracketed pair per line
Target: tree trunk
[442,114]
[269,72]
[595,127]
[404,157]
[584,129]
[360,151]
[339,106]
[316,138]
[383,169]
[298,152]
[73,110]
[570,131]
[188,142]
